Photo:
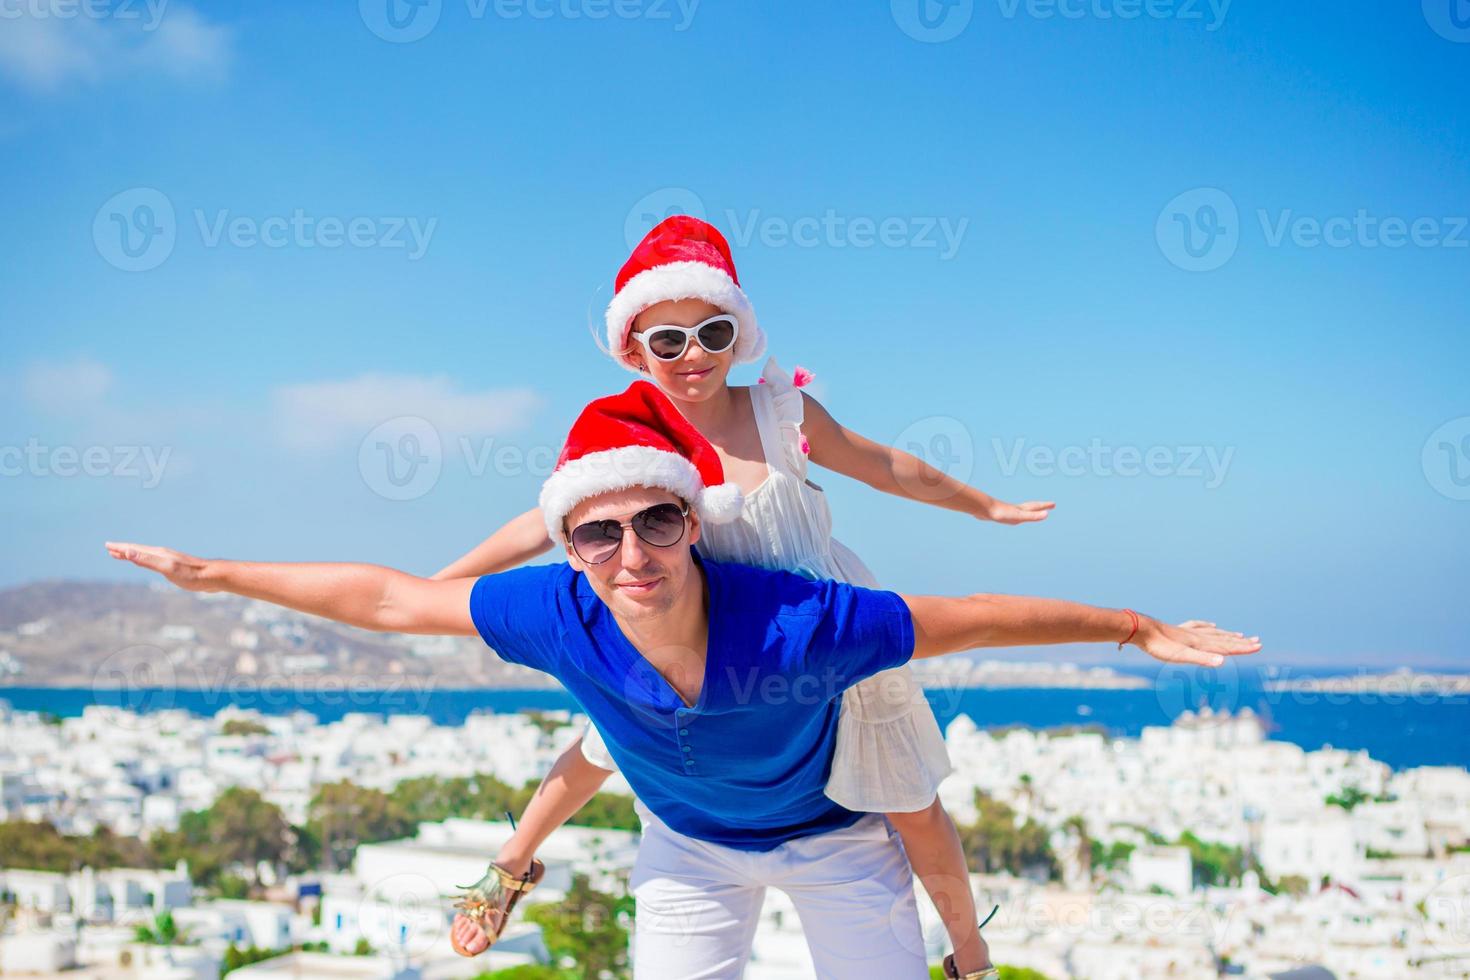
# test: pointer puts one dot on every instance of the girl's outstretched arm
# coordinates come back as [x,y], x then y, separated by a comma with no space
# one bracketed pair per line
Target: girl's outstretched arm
[894,471]
[520,540]
[569,786]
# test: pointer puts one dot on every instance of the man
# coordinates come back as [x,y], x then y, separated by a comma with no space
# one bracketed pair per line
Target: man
[716,686]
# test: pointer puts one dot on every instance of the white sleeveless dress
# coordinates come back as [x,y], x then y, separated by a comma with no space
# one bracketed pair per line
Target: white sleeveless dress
[890,755]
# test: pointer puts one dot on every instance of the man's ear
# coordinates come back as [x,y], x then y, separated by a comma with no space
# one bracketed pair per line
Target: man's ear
[572,558]
[694,527]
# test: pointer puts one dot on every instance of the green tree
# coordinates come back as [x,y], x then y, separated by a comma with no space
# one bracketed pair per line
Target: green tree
[163,931]
[1213,864]
[241,829]
[995,842]
[236,957]
[1006,973]
[343,815]
[1110,856]
[608,811]
[529,972]
[586,928]
[1350,797]
[548,725]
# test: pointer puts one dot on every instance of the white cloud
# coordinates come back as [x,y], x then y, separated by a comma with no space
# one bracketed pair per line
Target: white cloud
[68,387]
[326,413]
[46,44]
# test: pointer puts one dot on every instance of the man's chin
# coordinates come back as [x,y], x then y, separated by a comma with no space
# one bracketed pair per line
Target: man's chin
[638,602]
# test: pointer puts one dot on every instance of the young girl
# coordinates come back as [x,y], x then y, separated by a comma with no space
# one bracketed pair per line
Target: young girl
[680,318]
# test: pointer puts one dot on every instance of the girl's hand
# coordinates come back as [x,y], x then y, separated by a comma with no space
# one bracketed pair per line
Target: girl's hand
[1027,513]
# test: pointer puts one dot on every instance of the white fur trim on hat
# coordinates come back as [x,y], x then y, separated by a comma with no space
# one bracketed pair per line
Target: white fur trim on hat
[721,504]
[683,280]
[632,466]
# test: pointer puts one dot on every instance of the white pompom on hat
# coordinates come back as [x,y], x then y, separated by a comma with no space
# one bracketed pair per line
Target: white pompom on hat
[682,257]
[638,439]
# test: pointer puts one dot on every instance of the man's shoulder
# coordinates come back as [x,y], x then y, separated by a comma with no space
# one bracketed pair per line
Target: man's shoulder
[554,575]
[527,584]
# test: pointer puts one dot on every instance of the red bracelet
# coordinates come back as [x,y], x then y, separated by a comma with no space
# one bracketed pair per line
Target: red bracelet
[1132,633]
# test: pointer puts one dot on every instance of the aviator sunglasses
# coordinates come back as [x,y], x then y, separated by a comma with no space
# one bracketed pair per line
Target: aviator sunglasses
[669,342]
[661,525]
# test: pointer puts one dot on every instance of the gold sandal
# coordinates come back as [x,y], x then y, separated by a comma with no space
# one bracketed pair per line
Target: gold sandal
[490,901]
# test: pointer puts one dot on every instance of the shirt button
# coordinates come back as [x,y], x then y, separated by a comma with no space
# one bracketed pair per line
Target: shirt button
[683,731]
[688,748]
[689,763]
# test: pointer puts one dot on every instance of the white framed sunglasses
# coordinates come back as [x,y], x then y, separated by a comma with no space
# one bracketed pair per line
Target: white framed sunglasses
[668,342]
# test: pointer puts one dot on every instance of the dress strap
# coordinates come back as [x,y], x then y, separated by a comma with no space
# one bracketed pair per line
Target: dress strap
[779,414]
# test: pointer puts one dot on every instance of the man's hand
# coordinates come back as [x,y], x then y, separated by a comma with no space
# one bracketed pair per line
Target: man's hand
[369,597]
[1031,511]
[1195,642]
[467,938]
[185,571]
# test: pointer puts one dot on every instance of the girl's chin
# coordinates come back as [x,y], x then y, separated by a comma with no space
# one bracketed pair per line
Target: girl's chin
[695,385]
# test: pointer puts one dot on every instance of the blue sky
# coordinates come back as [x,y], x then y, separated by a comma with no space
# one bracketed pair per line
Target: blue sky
[971,224]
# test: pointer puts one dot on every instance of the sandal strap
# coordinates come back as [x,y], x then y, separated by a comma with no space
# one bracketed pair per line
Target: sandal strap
[516,883]
[952,972]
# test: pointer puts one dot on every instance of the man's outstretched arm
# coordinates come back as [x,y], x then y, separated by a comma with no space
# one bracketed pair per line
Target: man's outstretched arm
[368,596]
[948,625]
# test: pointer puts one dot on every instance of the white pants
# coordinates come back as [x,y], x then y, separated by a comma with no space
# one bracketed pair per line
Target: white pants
[699,903]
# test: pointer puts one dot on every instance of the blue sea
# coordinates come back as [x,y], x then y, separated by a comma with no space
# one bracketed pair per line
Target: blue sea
[1404,730]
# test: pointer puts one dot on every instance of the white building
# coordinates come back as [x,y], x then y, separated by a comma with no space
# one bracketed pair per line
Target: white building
[1168,869]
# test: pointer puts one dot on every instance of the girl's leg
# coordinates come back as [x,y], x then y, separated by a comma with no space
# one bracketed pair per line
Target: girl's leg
[570,784]
[933,845]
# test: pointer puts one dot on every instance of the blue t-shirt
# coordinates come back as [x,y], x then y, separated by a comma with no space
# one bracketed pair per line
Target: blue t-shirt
[746,766]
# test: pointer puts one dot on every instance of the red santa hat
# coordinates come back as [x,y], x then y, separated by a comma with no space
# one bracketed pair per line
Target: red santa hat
[681,258]
[637,439]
